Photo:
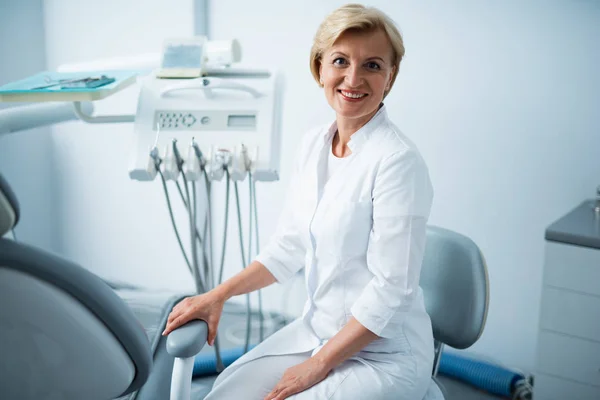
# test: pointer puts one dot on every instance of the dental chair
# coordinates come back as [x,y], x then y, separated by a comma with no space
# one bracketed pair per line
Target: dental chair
[455,285]
[65,334]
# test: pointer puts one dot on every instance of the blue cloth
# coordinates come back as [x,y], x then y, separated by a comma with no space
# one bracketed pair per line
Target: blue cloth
[27,85]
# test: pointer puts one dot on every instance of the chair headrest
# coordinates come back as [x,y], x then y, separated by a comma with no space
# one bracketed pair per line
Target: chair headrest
[9,207]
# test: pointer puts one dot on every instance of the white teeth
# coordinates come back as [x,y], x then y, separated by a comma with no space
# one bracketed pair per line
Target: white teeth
[353,95]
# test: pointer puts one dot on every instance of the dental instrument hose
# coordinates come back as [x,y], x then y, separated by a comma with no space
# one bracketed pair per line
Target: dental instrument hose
[157,161]
[164,184]
[200,287]
[253,207]
[202,163]
[204,258]
[225,227]
[208,225]
[248,314]
[193,228]
[208,268]
[196,272]
[193,234]
[185,204]
[220,366]
[207,271]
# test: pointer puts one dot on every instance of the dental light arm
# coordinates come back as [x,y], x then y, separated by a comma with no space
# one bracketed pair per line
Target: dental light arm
[21,118]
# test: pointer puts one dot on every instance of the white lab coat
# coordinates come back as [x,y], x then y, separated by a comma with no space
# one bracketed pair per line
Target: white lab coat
[360,237]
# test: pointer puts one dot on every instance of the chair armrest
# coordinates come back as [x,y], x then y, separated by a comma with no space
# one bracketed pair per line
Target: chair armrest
[183,344]
[187,340]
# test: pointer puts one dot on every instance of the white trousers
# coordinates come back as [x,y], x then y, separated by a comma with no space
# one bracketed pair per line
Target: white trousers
[352,379]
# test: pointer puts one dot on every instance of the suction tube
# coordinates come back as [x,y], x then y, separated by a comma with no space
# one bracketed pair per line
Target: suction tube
[205,363]
[485,375]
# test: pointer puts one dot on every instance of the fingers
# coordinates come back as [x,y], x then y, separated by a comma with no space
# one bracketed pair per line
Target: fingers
[284,394]
[175,321]
[212,332]
[176,317]
[272,395]
[187,310]
[182,304]
[173,315]
[281,392]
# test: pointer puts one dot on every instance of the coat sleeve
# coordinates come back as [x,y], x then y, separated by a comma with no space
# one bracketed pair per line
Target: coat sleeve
[402,198]
[284,254]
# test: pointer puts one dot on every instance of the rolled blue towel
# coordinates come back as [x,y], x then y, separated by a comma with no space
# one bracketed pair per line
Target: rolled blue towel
[206,363]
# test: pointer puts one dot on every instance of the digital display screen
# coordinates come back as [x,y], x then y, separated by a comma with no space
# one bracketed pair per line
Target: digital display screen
[241,121]
[182,56]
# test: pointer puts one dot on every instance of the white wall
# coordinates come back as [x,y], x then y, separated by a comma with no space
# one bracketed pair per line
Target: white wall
[112,225]
[26,158]
[500,98]
[118,228]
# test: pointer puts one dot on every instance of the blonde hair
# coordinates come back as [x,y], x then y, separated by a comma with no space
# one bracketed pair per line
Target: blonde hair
[359,18]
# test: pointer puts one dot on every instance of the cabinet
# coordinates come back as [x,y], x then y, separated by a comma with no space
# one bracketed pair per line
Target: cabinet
[568,345]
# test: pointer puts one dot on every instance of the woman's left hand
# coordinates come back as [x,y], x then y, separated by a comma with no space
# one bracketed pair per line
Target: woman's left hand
[298,378]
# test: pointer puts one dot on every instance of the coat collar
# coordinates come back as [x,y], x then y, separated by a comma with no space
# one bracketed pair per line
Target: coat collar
[360,137]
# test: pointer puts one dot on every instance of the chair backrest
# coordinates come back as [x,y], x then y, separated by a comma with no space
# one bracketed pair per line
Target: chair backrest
[456,288]
[64,334]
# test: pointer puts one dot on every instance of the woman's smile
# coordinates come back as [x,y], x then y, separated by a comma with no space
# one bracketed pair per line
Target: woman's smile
[352,96]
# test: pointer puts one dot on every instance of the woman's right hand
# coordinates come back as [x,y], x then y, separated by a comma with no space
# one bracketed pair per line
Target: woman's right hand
[207,307]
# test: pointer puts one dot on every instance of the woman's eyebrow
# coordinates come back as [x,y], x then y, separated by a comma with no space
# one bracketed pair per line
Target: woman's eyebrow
[339,53]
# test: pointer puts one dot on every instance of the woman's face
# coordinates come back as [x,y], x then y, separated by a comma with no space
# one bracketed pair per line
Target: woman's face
[355,72]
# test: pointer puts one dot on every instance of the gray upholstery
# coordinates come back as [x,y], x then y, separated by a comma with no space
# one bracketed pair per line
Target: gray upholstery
[9,207]
[184,342]
[65,334]
[455,284]
[158,385]
[45,336]
[88,290]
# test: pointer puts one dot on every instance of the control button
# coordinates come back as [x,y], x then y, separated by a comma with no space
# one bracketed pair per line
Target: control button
[205,120]
[188,120]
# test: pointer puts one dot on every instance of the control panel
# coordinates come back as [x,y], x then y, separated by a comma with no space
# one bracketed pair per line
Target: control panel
[212,120]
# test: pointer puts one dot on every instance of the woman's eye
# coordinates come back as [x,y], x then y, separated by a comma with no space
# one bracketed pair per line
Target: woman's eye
[339,61]
[373,65]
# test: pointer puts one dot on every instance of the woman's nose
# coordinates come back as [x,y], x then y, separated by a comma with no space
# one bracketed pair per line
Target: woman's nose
[353,76]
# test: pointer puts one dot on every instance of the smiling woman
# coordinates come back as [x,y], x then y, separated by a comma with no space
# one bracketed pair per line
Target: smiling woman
[355,221]
[355,58]
[355,18]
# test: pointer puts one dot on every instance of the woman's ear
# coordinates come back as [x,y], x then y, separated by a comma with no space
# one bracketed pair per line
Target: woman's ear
[321,74]
[389,83]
